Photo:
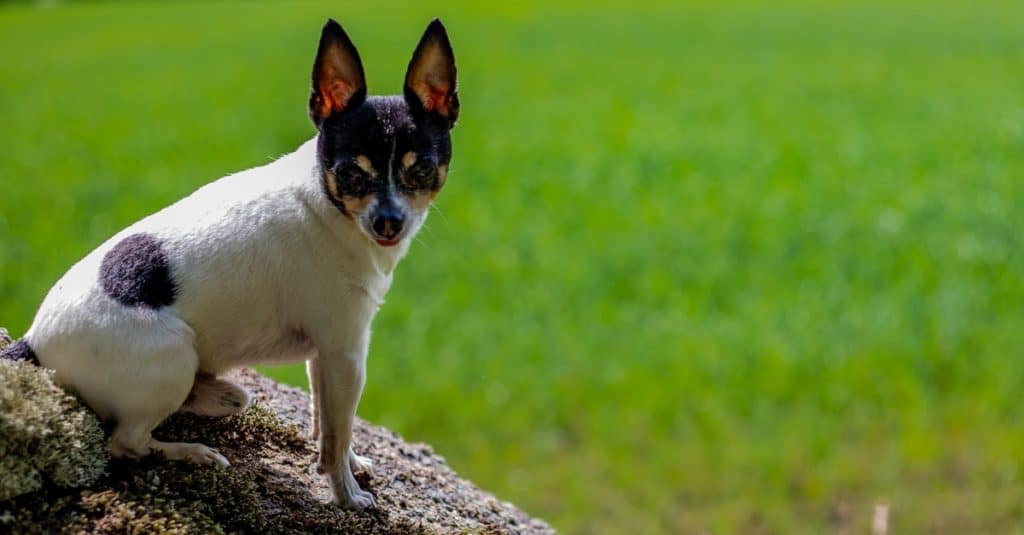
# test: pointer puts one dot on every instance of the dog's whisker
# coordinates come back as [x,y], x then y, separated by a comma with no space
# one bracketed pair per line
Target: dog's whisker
[440,213]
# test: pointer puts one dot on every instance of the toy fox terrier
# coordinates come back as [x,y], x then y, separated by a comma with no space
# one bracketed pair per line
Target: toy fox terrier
[285,262]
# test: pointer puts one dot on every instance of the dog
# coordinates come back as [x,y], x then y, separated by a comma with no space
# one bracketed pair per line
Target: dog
[285,262]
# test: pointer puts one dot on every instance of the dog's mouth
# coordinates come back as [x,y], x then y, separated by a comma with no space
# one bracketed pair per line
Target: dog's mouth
[386,235]
[383,241]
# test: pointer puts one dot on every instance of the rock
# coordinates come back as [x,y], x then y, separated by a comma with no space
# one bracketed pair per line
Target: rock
[45,434]
[68,483]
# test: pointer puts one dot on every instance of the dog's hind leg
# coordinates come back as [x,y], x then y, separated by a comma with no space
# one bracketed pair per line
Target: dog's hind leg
[140,379]
[211,396]
[156,396]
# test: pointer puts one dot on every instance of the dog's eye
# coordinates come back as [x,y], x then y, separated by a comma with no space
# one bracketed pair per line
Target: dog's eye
[420,176]
[349,171]
[352,180]
[423,170]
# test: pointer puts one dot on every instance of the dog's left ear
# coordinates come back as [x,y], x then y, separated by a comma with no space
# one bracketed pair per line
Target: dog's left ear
[338,80]
[430,81]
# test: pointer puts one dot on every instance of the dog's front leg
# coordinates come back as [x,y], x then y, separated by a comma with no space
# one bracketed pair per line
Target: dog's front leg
[314,398]
[341,375]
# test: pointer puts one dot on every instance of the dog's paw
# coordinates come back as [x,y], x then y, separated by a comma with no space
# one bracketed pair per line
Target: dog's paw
[359,463]
[347,492]
[208,456]
[356,501]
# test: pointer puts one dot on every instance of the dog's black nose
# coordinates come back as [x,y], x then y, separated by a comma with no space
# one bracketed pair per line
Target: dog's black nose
[388,223]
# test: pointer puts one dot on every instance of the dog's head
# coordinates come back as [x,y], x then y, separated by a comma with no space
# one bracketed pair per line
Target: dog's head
[384,159]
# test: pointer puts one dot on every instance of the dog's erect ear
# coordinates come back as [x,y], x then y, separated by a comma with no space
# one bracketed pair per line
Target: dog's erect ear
[430,81]
[338,79]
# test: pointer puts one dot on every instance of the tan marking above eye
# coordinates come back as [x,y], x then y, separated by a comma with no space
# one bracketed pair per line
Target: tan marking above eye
[364,163]
[409,159]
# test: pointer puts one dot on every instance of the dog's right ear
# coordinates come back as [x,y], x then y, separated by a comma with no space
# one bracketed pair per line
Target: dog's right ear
[338,80]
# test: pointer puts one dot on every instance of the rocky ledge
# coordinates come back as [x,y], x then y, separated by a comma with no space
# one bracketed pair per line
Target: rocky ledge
[56,474]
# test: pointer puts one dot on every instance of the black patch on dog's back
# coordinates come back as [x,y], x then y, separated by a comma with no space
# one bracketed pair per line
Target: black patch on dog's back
[136,273]
[20,351]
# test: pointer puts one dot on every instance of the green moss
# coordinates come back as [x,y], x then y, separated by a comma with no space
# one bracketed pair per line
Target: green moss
[45,434]
[144,513]
[257,423]
[20,476]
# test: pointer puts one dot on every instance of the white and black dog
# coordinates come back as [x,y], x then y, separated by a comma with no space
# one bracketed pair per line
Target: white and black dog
[285,262]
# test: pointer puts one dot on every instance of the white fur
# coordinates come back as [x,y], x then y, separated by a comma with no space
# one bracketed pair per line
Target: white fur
[268,269]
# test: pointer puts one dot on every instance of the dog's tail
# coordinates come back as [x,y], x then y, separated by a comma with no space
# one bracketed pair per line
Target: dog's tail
[19,351]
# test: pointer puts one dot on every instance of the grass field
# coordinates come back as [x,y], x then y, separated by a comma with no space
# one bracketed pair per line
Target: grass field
[722,267]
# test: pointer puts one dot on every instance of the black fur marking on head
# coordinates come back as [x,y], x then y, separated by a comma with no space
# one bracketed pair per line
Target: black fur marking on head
[136,273]
[383,128]
[19,351]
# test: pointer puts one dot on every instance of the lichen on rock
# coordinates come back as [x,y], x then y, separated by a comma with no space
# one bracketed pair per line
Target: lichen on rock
[56,475]
[46,435]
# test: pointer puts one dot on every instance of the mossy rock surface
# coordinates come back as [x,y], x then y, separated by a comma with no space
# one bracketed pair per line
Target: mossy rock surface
[271,486]
[47,437]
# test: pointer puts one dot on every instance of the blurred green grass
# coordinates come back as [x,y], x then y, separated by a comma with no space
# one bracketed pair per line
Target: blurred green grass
[725,267]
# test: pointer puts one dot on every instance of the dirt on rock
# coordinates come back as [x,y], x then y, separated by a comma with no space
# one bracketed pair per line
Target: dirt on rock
[271,486]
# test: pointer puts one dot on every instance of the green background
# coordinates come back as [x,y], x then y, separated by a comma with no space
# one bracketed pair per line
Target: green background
[723,267]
